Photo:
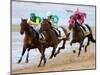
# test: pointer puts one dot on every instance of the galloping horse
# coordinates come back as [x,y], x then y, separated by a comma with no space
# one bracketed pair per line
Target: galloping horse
[79,36]
[31,41]
[52,38]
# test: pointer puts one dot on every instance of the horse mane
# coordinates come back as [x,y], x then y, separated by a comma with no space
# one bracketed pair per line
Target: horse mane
[23,20]
[47,21]
[30,28]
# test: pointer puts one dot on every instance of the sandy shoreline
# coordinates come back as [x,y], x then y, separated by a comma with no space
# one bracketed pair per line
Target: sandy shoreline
[64,61]
[68,61]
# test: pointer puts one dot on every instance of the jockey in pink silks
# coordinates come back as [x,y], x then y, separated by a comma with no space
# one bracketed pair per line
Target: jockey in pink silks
[80,16]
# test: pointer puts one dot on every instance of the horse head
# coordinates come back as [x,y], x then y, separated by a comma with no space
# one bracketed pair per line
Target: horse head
[45,25]
[72,22]
[23,25]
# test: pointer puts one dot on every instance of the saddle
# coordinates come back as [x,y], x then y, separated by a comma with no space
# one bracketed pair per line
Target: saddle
[57,32]
[37,34]
[85,29]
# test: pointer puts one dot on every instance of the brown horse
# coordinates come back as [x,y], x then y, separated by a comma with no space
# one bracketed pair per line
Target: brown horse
[79,36]
[51,38]
[31,41]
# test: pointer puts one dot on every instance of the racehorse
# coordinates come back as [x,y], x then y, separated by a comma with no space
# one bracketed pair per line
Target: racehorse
[79,36]
[31,41]
[51,36]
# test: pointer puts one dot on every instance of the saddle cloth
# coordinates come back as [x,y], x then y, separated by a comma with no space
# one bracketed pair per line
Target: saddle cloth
[41,36]
[87,32]
[60,33]
[57,32]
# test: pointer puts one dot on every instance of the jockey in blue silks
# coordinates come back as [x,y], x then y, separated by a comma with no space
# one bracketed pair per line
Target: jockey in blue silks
[53,19]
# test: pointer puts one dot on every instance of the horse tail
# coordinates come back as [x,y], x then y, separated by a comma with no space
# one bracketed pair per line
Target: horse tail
[91,35]
[65,31]
[92,39]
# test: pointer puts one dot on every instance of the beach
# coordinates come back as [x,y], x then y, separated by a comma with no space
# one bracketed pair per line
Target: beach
[65,61]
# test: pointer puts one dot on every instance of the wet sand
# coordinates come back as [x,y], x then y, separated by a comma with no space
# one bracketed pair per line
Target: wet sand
[64,61]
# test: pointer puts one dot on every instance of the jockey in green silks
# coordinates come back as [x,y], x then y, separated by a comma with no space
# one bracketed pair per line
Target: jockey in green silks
[53,19]
[34,20]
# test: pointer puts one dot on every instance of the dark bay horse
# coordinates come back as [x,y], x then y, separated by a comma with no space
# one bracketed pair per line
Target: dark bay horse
[51,37]
[79,36]
[31,41]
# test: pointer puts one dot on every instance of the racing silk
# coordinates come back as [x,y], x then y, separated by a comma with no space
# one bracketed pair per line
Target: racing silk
[35,22]
[80,16]
[54,20]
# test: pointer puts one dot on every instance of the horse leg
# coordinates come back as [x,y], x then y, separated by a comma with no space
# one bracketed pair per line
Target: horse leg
[53,52]
[80,48]
[42,51]
[40,60]
[87,45]
[72,41]
[42,57]
[23,52]
[63,46]
[92,39]
[27,55]
[44,60]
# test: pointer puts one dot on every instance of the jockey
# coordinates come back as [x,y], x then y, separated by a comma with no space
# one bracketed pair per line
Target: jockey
[53,19]
[80,16]
[34,20]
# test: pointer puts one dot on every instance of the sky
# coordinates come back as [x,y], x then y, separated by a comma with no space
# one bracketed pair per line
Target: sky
[23,10]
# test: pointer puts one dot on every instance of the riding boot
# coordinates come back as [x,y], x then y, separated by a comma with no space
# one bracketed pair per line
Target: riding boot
[59,33]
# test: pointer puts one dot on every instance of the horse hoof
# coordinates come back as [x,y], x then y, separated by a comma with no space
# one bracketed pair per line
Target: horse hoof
[55,54]
[26,61]
[38,66]
[85,50]
[43,65]
[78,55]
[74,51]
[18,62]
[50,57]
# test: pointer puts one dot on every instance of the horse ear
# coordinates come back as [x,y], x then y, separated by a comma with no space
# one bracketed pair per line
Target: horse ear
[21,19]
[43,18]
